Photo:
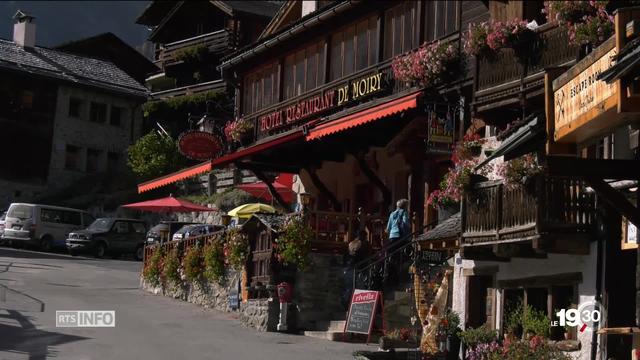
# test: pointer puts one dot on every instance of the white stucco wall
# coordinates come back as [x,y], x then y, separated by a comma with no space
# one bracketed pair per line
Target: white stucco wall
[519,268]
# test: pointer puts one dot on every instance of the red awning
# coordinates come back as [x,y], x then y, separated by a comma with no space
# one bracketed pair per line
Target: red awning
[176,176]
[168,205]
[219,162]
[364,116]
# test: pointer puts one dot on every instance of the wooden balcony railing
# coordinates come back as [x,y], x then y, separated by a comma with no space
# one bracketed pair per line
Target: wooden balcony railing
[494,213]
[216,42]
[214,86]
[334,230]
[552,49]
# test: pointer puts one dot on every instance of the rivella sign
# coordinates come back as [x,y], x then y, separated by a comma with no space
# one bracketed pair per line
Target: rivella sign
[355,89]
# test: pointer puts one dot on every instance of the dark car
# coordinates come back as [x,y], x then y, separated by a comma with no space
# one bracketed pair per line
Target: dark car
[109,235]
[165,227]
[188,231]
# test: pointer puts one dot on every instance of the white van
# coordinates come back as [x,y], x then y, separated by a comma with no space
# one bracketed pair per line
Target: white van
[43,225]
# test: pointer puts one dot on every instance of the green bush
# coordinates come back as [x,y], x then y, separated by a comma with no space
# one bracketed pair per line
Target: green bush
[152,271]
[154,155]
[480,335]
[294,242]
[214,270]
[527,320]
[192,263]
[237,249]
[171,270]
[192,54]
[225,200]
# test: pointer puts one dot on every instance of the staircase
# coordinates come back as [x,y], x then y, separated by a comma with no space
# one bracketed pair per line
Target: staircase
[388,271]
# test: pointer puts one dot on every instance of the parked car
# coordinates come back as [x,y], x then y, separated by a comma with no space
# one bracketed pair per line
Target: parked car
[188,231]
[43,225]
[109,236]
[2,217]
[167,227]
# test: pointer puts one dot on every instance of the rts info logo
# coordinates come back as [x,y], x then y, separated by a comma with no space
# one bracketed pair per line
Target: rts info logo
[586,317]
[82,318]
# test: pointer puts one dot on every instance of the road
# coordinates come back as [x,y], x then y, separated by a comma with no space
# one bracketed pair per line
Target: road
[34,285]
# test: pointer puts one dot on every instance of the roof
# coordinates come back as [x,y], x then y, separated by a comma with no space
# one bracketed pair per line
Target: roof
[450,228]
[285,33]
[520,141]
[109,47]
[76,69]
[273,222]
[279,17]
[156,11]
[627,61]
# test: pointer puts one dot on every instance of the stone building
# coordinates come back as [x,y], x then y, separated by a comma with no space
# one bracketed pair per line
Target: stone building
[62,116]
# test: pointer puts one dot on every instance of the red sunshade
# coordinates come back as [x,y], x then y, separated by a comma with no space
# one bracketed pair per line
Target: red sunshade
[364,116]
[176,176]
[261,190]
[168,205]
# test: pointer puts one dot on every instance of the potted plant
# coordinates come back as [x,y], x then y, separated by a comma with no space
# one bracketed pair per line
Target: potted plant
[522,171]
[514,34]
[239,131]
[473,144]
[293,243]
[236,249]
[587,22]
[430,65]
[475,40]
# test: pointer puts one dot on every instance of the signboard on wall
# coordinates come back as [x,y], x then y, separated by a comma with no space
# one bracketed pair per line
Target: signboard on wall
[353,90]
[629,235]
[441,126]
[578,101]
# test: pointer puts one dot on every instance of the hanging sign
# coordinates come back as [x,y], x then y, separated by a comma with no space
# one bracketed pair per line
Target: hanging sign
[362,311]
[441,126]
[200,145]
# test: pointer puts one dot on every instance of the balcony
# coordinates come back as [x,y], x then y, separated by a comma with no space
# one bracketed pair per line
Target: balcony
[501,80]
[209,86]
[216,42]
[552,208]
[334,230]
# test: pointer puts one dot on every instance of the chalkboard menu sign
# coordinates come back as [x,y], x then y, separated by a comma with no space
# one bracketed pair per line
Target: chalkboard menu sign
[364,304]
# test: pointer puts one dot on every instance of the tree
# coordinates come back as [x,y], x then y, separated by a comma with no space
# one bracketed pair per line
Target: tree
[154,155]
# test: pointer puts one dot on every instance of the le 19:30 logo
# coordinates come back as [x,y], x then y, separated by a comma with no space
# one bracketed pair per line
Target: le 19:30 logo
[586,317]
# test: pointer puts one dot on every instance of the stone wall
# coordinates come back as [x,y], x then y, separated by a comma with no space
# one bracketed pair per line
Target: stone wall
[317,292]
[204,293]
[260,314]
[202,217]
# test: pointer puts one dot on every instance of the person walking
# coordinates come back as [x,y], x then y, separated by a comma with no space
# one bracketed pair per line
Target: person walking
[398,227]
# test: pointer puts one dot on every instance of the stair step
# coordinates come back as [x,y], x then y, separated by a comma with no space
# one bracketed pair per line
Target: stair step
[332,325]
[328,335]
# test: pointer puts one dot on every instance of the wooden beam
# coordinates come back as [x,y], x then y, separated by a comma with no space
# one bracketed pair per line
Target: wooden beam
[542,281]
[616,200]
[261,166]
[317,182]
[371,175]
[269,182]
[480,253]
[521,250]
[593,168]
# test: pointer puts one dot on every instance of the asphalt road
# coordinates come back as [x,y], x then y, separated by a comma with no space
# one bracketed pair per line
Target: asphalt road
[34,285]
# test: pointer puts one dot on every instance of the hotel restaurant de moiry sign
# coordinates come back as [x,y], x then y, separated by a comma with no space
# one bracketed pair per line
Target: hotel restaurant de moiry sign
[582,93]
[333,98]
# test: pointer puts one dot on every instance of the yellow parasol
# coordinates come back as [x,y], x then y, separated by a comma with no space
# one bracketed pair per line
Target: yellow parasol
[245,211]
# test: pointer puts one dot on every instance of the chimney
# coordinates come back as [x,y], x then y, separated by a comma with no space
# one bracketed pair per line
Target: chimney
[24,30]
[309,6]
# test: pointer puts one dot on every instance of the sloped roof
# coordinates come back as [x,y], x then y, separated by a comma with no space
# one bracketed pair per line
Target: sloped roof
[109,47]
[277,21]
[157,10]
[154,12]
[450,228]
[68,67]
[273,222]
[259,8]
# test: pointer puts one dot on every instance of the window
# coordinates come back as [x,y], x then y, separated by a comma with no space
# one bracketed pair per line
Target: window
[138,228]
[116,116]
[75,108]
[71,217]
[354,48]
[113,161]
[98,112]
[72,158]
[50,216]
[400,32]
[121,227]
[441,19]
[304,70]
[261,88]
[93,160]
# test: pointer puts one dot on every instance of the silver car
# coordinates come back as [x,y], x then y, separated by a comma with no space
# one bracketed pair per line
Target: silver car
[188,231]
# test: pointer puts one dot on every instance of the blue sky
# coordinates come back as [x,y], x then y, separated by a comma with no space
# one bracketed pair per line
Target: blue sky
[62,21]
